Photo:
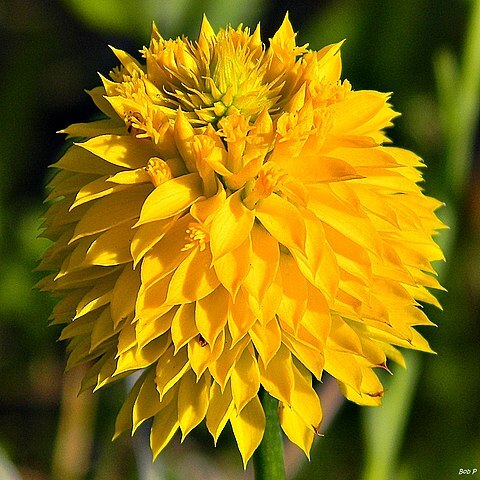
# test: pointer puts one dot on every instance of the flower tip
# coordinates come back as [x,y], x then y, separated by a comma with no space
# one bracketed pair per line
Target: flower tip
[206,30]
[286,26]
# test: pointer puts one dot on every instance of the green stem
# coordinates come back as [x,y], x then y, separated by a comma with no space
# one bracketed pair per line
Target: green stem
[268,458]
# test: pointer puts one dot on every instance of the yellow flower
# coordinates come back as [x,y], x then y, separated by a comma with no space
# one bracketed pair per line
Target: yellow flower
[235,222]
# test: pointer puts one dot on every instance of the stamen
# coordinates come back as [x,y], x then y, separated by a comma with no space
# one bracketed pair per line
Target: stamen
[196,236]
[158,170]
[270,179]
[133,123]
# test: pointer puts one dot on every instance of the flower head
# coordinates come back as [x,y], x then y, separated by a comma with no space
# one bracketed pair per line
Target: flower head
[238,220]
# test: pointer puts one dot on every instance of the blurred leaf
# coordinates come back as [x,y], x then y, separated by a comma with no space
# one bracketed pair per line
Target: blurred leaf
[119,16]
[173,17]
[384,426]
[459,95]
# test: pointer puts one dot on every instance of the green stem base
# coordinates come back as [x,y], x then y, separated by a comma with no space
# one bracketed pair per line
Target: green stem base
[268,458]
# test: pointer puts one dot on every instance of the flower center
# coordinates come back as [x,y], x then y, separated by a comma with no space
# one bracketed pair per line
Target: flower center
[196,235]
[269,180]
[158,170]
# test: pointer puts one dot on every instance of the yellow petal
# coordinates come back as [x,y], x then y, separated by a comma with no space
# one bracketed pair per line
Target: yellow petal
[283,221]
[267,339]
[130,177]
[170,369]
[96,297]
[233,267]
[150,302]
[277,377]
[240,317]
[184,135]
[357,109]
[147,403]
[148,330]
[111,247]
[135,358]
[167,253]
[263,263]
[203,210]
[211,314]
[192,401]
[65,183]
[311,357]
[219,410]
[245,379]
[344,367]
[97,94]
[79,160]
[124,419]
[202,279]
[124,151]
[113,210]
[202,355]
[146,236]
[248,427]
[165,424]
[221,369]
[103,330]
[206,35]
[344,337]
[130,64]
[295,430]
[304,399]
[96,189]
[343,216]
[81,326]
[231,225]
[122,304]
[171,198]
[95,128]
[183,325]
[295,292]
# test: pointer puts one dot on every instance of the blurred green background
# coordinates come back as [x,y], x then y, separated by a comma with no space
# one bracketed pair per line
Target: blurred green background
[426,52]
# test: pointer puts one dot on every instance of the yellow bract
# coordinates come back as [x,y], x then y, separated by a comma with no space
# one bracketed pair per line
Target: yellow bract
[236,222]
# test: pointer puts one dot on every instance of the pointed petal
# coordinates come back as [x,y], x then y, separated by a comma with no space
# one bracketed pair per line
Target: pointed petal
[211,314]
[240,317]
[96,189]
[147,403]
[267,339]
[165,424]
[171,198]
[192,401]
[277,377]
[202,279]
[295,430]
[124,419]
[121,150]
[233,267]
[219,410]
[111,247]
[245,379]
[295,292]
[183,325]
[283,221]
[263,263]
[113,210]
[248,427]
[170,369]
[231,225]
[77,159]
